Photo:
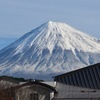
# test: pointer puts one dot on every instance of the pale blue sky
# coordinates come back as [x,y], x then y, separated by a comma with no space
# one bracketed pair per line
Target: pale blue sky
[17,17]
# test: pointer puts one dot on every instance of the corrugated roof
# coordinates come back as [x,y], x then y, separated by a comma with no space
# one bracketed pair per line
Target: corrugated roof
[88,77]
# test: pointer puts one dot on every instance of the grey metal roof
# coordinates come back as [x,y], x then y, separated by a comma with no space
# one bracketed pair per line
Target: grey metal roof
[88,77]
[36,83]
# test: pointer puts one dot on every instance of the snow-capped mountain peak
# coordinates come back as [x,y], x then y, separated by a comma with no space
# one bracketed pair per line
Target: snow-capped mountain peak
[53,47]
[53,34]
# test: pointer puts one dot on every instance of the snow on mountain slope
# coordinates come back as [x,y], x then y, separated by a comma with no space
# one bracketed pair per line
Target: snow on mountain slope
[48,50]
[98,40]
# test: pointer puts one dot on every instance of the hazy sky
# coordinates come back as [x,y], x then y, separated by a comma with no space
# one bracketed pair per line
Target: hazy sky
[17,17]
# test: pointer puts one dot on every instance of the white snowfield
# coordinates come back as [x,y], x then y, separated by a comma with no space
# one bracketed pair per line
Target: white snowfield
[55,33]
[48,50]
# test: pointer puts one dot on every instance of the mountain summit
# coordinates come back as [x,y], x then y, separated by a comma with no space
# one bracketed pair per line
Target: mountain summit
[50,49]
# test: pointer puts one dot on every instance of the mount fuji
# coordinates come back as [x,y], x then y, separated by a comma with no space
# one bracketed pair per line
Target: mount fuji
[52,48]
